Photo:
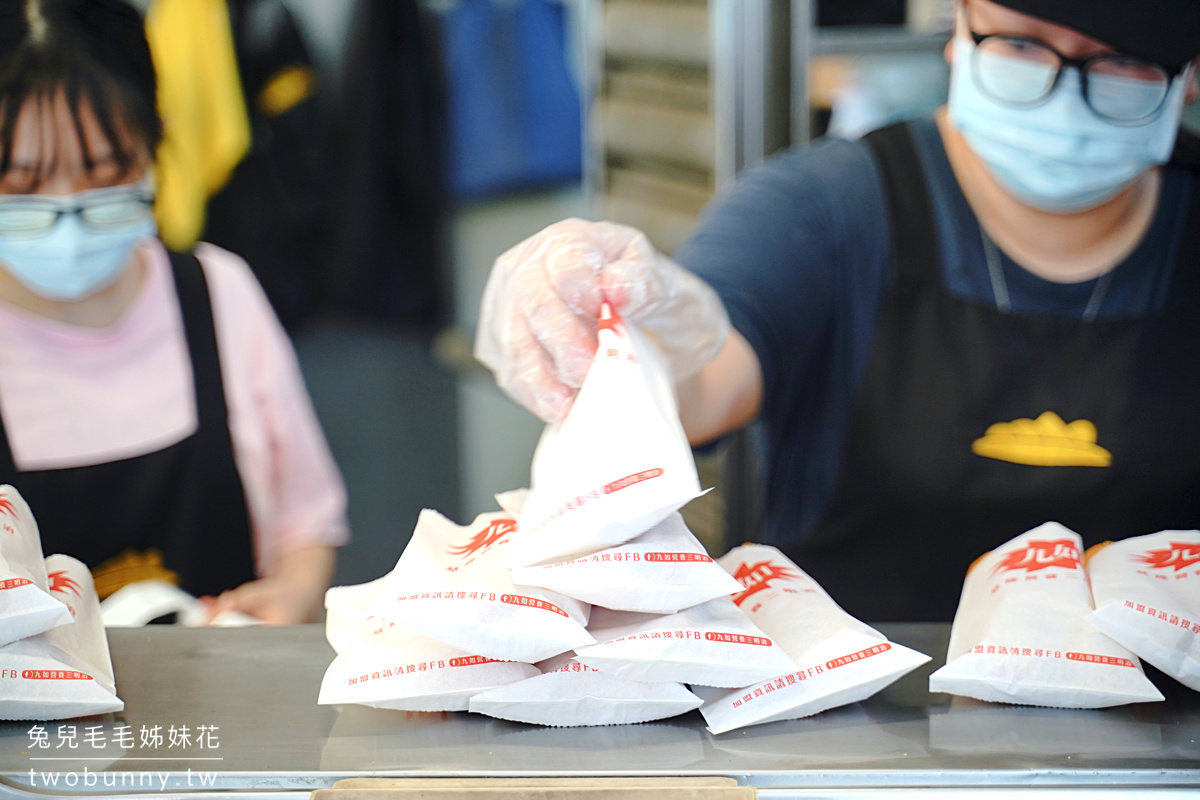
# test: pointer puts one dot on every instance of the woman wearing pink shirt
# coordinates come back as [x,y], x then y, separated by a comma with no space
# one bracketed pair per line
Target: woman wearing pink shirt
[151,404]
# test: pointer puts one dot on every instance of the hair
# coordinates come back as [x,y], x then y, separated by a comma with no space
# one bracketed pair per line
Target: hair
[92,53]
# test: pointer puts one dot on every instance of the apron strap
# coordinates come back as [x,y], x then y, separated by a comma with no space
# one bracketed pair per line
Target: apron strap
[214,480]
[196,311]
[1185,285]
[915,253]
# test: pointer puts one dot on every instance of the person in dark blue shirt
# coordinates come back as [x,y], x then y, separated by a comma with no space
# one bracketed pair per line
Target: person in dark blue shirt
[948,333]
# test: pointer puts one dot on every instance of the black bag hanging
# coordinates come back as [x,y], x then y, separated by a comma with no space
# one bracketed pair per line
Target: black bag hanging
[389,253]
[274,210]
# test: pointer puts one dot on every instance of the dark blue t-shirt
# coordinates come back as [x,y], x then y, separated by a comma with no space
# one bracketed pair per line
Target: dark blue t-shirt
[800,251]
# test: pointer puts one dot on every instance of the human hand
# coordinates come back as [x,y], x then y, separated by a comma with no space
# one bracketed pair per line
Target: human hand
[292,593]
[537,326]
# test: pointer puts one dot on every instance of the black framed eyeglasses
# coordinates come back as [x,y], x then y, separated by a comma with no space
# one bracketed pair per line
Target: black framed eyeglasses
[102,210]
[1021,71]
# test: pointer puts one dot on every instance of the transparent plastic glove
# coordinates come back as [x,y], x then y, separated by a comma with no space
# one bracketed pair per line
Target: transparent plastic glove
[537,325]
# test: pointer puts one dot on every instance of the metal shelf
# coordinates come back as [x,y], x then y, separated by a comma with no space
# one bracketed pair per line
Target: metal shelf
[876,39]
[809,41]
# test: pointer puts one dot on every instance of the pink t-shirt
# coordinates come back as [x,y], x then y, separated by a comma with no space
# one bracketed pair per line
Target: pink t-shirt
[76,396]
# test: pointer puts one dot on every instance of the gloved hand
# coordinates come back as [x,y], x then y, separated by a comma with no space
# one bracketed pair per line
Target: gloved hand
[537,324]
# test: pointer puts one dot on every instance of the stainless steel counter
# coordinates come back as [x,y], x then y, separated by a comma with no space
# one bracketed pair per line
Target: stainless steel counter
[247,698]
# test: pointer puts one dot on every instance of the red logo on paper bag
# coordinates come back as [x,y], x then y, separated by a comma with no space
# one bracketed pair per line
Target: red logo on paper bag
[609,320]
[1178,555]
[1040,555]
[62,582]
[736,638]
[630,480]
[1108,661]
[875,650]
[7,506]
[756,577]
[54,675]
[494,532]
[679,558]
[531,602]
[470,661]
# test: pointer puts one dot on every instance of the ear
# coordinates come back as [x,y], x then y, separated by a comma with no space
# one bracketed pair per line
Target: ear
[1193,86]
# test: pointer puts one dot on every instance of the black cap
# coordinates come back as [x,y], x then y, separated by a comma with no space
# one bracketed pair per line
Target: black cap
[1164,31]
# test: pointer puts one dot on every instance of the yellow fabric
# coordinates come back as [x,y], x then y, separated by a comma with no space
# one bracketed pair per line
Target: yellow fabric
[287,88]
[206,127]
[1047,441]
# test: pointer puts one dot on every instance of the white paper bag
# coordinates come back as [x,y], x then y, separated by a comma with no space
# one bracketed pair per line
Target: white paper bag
[570,694]
[713,644]
[617,465]
[824,742]
[664,570]
[382,665]
[349,626]
[139,603]
[66,671]
[842,660]
[513,501]
[1147,596]
[419,674]
[450,584]
[26,604]
[1021,634]
[84,644]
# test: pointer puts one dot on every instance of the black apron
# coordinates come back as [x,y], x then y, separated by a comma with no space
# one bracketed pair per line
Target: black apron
[914,504]
[186,500]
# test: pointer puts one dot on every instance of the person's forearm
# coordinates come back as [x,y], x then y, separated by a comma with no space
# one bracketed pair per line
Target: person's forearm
[306,571]
[724,395]
[292,591]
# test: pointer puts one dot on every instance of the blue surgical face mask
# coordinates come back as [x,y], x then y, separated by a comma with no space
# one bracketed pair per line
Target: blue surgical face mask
[73,260]
[1059,156]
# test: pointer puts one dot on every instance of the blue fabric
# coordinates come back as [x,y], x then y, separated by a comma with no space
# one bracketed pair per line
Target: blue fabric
[799,250]
[515,111]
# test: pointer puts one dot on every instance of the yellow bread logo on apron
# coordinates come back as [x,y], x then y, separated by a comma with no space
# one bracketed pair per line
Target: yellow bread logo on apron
[1043,442]
[128,567]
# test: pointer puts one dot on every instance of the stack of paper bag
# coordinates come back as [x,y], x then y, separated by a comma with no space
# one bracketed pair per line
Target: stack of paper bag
[54,656]
[591,574]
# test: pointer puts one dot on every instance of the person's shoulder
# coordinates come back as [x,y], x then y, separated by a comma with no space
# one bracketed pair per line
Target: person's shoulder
[224,266]
[239,303]
[1187,150]
[828,169]
[230,278]
[1181,174]
[823,192]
